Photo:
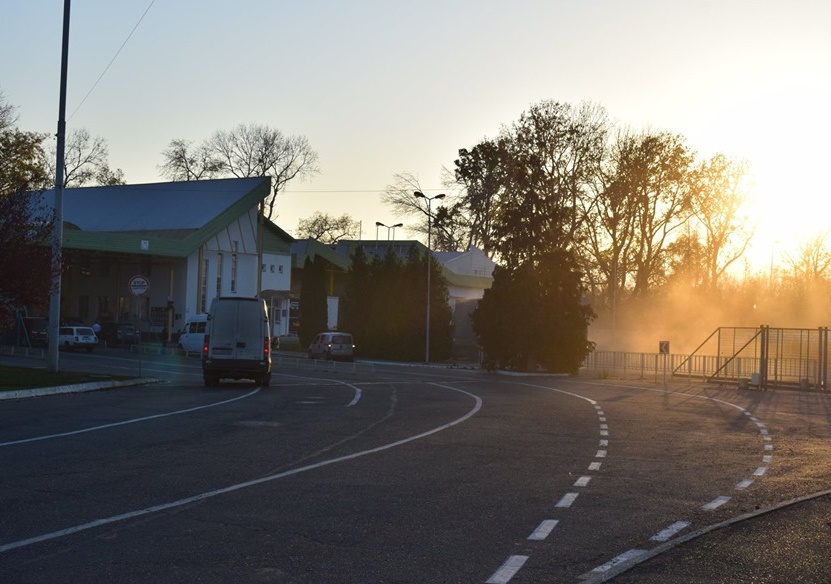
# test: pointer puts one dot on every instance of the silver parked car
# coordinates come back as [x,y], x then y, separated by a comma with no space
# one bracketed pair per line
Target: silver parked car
[333,346]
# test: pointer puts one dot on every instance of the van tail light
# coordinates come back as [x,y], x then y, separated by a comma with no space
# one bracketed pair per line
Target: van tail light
[266,347]
[205,344]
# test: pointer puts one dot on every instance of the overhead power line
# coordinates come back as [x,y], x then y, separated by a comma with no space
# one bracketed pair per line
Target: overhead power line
[107,68]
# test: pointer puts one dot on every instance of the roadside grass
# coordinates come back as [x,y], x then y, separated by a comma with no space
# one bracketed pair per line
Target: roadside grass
[27,378]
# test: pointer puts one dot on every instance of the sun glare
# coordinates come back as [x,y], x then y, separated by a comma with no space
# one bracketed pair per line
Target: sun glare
[783,135]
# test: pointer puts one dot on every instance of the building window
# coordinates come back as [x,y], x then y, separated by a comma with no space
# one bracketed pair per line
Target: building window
[280,268]
[272,268]
[218,275]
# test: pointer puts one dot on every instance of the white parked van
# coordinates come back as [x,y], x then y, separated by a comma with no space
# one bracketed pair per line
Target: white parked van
[237,341]
[192,335]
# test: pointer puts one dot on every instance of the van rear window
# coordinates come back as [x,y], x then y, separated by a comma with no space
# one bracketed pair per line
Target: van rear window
[342,339]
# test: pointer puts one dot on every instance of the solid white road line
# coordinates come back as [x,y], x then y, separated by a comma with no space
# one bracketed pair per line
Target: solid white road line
[131,421]
[508,570]
[247,484]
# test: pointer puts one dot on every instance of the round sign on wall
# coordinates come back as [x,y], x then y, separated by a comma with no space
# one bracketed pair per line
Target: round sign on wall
[139,285]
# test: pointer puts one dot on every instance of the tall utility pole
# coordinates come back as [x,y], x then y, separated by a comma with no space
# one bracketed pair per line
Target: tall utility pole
[57,234]
[420,195]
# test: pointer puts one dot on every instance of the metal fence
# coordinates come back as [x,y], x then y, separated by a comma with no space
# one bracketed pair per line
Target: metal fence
[763,357]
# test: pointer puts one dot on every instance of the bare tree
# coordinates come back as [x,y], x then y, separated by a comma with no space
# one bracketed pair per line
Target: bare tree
[257,150]
[246,151]
[811,263]
[183,161]
[328,228]
[448,223]
[652,173]
[86,161]
[719,195]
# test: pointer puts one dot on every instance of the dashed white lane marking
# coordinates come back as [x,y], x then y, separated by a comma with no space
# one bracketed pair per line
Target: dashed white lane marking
[582,481]
[600,454]
[767,458]
[624,557]
[604,443]
[543,530]
[594,466]
[567,500]
[669,532]
[507,570]
[768,446]
[744,484]
[715,503]
[760,471]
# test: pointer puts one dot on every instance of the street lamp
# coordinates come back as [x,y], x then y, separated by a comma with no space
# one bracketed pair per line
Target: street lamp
[420,195]
[379,224]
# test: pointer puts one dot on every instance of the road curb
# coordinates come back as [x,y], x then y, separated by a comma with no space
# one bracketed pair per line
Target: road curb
[74,388]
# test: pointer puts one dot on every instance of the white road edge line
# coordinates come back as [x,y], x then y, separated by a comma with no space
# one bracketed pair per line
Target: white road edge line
[246,484]
[131,421]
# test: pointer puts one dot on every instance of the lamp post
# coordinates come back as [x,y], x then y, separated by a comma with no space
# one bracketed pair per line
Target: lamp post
[379,224]
[420,195]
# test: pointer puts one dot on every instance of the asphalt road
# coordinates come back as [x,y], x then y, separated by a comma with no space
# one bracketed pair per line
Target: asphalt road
[394,474]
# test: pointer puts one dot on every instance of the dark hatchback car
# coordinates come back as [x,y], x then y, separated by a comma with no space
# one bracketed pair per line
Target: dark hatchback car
[119,334]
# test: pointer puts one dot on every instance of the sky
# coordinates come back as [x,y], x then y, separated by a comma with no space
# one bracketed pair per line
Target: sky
[386,87]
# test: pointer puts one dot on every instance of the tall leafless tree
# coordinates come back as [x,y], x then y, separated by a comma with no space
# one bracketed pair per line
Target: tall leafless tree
[328,228]
[86,161]
[245,151]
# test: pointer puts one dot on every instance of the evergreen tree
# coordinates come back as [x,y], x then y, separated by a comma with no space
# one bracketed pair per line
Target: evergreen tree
[534,315]
[313,306]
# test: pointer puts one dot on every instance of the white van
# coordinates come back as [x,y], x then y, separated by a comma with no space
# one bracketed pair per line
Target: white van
[192,335]
[237,341]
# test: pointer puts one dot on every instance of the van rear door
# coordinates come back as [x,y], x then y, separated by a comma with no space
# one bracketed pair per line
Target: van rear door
[238,331]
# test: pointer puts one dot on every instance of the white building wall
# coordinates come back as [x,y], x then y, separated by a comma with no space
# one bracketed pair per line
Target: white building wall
[238,239]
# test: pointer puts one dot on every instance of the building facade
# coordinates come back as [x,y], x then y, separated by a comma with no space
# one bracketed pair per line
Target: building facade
[156,254]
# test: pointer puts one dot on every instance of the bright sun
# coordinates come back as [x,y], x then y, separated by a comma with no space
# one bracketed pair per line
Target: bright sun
[782,131]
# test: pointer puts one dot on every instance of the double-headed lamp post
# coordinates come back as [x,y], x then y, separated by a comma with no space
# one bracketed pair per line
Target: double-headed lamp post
[379,224]
[420,195]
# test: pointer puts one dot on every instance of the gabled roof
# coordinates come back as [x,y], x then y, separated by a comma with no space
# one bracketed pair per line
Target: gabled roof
[173,218]
[310,248]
